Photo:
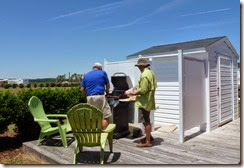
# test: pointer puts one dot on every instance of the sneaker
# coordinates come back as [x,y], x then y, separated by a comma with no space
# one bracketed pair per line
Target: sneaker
[143,145]
[144,139]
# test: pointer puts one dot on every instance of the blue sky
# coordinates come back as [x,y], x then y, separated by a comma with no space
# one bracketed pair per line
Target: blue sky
[46,38]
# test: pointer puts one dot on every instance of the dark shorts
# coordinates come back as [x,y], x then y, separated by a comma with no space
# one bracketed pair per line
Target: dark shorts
[145,115]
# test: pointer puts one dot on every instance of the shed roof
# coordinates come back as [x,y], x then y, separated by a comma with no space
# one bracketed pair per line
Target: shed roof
[203,43]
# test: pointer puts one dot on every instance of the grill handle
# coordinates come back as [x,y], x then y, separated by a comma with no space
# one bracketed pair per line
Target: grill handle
[119,73]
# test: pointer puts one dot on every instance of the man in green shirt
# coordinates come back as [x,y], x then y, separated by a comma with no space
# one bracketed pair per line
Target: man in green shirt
[145,100]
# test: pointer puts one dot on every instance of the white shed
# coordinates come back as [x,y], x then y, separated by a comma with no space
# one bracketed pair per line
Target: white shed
[197,82]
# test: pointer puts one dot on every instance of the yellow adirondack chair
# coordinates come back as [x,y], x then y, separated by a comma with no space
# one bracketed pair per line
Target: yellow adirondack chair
[86,124]
[37,111]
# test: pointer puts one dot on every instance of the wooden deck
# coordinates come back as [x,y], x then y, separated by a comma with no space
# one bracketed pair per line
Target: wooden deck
[221,146]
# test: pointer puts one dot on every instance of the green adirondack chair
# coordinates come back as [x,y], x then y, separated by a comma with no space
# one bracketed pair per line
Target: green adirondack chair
[86,124]
[37,111]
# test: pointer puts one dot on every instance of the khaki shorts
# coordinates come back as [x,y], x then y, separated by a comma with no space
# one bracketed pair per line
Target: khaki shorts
[101,103]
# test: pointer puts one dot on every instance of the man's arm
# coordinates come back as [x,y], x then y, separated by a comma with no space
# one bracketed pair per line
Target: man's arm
[82,85]
[135,93]
[143,89]
[82,89]
[107,88]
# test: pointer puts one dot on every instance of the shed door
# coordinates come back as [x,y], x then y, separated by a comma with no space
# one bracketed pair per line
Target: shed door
[225,90]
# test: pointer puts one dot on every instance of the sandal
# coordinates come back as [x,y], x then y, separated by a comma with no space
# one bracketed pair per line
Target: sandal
[144,145]
[144,139]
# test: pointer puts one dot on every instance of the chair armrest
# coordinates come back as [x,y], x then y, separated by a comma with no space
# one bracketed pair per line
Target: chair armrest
[43,120]
[109,128]
[56,115]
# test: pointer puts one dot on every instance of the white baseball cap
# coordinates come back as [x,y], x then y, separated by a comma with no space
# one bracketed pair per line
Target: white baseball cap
[97,64]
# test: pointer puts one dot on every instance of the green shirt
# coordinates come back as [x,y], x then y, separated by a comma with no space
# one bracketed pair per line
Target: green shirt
[147,87]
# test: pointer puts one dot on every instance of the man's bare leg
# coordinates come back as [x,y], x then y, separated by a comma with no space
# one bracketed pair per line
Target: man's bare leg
[148,132]
[104,123]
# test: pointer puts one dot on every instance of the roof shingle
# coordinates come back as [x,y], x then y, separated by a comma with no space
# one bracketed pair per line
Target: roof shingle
[203,43]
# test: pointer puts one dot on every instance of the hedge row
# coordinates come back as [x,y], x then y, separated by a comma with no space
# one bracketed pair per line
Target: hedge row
[14,107]
[29,85]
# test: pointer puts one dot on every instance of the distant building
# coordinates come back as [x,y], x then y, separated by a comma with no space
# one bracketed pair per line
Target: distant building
[14,81]
[3,81]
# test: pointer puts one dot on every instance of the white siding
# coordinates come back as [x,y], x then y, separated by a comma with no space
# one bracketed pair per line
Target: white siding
[225,89]
[213,79]
[235,78]
[167,103]
[167,92]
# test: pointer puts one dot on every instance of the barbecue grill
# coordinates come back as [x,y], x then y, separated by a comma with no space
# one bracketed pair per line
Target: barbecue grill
[120,109]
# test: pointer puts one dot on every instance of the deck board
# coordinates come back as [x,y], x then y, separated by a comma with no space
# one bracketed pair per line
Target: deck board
[221,146]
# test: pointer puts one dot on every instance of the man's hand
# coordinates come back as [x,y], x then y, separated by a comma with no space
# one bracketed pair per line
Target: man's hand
[82,89]
[133,91]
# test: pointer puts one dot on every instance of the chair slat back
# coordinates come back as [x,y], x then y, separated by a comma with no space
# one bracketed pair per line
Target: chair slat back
[86,124]
[37,111]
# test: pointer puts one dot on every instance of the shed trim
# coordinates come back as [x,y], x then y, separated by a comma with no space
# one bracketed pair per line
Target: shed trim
[208,112]
[175,54]
[225,39]
[232,89]
[180,76]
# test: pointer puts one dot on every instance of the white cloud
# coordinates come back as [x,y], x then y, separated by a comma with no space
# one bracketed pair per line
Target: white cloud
[119,26]
[143,18]
[97,11]
[195,26]
[206,12]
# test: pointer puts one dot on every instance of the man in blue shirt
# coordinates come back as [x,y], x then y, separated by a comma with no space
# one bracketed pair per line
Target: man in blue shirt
[95,83]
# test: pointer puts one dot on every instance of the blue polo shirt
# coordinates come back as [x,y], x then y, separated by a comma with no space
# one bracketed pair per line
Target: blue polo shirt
[94,82]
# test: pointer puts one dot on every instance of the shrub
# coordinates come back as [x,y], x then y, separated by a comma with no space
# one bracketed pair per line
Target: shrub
[65,84]
[9,108]
[21,85]
[75,84]
[47,84]
[52,84]
[55,101]
[28,85]
[58,84]
[35,85]
[14,85]
[41,85]
[14,107]
[6,86]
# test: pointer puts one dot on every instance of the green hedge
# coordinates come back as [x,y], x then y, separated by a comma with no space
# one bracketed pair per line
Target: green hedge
[9,108]
[14,85]
[21,85]
[6,86]
[14,107]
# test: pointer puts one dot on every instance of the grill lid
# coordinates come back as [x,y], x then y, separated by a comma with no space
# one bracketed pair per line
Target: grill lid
[121,81]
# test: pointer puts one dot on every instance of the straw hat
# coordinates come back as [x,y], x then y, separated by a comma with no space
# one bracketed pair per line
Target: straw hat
[142,62]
